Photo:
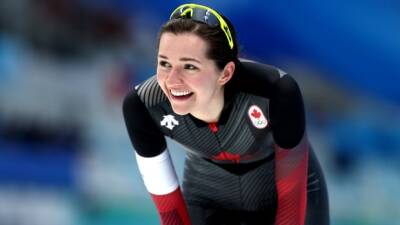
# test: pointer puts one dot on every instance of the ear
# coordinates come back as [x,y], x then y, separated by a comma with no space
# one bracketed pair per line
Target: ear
[227,73]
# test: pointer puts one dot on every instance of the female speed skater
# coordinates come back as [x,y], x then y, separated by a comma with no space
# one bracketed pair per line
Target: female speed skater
[248,158]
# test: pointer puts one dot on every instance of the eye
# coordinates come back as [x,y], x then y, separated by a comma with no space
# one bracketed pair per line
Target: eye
[190,67]
[164,64]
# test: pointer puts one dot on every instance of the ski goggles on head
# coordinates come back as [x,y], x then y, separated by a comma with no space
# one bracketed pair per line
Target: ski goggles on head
[205,15]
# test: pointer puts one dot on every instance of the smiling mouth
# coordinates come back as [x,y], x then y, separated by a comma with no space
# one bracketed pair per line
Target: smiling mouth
[180,95]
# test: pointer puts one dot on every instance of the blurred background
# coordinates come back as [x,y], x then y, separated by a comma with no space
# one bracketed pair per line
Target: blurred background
[65,66]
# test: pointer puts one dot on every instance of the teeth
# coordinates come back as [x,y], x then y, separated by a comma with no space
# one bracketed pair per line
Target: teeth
[179,93]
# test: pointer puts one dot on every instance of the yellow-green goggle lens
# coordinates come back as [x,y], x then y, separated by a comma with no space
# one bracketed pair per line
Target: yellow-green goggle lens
[205,15]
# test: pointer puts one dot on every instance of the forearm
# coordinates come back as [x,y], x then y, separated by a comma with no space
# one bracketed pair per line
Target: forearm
[291,169]
[161,182]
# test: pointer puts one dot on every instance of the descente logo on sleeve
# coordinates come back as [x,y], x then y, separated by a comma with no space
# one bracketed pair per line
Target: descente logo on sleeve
[169,122]
[257,117]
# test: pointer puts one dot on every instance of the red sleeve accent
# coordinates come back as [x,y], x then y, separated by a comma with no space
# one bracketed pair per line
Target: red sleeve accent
[291,180]
[172,208]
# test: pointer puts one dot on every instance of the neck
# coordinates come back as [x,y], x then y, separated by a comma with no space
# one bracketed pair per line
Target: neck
[212,112]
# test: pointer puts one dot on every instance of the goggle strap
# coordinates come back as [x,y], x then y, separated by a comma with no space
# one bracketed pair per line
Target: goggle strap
[223,25]
[185,12]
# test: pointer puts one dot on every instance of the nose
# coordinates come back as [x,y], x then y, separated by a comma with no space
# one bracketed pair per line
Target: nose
[174,77]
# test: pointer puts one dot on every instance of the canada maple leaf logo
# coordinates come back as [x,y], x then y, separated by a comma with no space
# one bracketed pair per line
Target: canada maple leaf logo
[256,114]
[257,117]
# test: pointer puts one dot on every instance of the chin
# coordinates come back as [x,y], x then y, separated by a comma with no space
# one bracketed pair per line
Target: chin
[180,111]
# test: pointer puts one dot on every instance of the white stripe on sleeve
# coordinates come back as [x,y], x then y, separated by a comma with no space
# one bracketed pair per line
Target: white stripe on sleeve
[158,173]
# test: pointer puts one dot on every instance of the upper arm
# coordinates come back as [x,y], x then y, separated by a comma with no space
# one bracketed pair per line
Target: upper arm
[287,113]
[144,134]
[286,109]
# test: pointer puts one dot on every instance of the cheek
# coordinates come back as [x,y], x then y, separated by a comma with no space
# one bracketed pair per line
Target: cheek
[161,76]
[161,80]
[159,73]
[205,85]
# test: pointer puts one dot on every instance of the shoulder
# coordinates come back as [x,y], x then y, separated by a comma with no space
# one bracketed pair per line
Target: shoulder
[149,92]
[259,78]
[142,98]
[252,67]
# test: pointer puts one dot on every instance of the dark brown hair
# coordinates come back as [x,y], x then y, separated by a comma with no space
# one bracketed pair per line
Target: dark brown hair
[218,50]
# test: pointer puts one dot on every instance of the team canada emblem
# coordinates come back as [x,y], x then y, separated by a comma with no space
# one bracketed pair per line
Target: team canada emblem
[169,122]
[257,117]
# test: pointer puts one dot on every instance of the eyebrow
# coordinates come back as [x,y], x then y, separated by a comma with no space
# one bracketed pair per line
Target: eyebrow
[185,59]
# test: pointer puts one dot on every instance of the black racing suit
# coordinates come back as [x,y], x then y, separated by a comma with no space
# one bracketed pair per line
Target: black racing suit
[254,166]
